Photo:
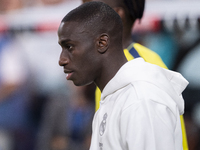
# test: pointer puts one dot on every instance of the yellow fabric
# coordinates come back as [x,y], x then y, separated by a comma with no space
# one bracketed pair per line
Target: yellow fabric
[153,58]
[149,56]
[185,144]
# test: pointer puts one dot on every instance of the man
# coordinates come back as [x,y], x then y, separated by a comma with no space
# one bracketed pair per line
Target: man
[140,102]
[130,11]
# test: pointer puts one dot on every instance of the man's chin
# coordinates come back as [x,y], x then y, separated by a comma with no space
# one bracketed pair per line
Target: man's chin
[82,84]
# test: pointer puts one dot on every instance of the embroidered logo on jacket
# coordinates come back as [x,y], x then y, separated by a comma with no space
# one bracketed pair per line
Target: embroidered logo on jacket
[101,146]
[102,127]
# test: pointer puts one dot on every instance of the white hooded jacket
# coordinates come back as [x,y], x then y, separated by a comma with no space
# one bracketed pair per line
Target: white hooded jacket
[140,109]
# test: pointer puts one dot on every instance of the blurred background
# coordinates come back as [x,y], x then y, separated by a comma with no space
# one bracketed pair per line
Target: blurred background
[40,110]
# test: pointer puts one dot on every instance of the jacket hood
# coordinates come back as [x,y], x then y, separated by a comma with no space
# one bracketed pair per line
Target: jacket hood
[170,81]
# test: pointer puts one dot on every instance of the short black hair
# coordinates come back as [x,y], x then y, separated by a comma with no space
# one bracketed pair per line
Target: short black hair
[96,16]
[135,8]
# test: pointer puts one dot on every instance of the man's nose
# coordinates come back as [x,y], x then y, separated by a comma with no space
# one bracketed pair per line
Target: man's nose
[63,60]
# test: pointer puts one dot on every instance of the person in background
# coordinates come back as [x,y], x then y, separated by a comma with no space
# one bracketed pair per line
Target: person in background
[14,88]
[66,122]
[13,96]
[9,6]
[130,11]
[140,101]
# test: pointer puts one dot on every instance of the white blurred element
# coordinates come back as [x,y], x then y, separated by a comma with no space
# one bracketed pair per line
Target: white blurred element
[190,67]
[33,16]
[13,69]
[158,10]
[42,53]
[173,8]
[41,48]
[6,141]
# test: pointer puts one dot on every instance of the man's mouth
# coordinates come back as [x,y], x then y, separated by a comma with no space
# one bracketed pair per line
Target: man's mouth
[68,74]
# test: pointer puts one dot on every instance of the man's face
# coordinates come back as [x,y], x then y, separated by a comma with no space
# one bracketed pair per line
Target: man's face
[78,57]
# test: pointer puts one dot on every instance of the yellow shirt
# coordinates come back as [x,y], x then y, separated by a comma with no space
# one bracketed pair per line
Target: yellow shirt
[153,58]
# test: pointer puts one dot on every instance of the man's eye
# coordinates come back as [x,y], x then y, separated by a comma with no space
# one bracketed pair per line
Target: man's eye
[69,47]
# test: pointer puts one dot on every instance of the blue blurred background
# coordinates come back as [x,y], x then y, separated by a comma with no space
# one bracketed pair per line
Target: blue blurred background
[40,110]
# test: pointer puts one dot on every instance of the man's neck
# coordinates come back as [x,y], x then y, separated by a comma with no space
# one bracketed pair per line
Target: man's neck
[127,38]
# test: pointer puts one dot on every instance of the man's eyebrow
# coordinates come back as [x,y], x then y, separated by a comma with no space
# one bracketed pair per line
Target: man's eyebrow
[61,42]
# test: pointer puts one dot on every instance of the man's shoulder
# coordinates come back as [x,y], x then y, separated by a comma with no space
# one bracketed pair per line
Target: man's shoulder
[141,93]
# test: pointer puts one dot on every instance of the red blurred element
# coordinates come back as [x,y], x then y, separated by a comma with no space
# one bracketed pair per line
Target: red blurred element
[156,25]
[3,26]
[148,23]
[47,26]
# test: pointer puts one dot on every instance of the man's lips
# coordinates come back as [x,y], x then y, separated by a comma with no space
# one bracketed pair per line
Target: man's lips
[68,74]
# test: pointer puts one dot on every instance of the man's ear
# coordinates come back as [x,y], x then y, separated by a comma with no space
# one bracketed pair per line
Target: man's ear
[103,43]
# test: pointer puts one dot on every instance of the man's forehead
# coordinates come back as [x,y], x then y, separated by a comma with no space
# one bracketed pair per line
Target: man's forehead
[65,26]
[73,31]
[70,27]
